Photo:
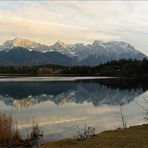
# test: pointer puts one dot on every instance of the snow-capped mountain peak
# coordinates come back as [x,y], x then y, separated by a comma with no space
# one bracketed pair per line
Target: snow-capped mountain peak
[17,42]
[96,42]
[61,44]
[20,42]
[60,47]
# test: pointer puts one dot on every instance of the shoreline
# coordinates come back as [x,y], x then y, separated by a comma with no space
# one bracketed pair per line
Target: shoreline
[51,78]
[134,136]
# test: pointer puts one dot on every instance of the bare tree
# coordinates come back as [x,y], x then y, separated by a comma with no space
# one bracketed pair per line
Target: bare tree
[122,117]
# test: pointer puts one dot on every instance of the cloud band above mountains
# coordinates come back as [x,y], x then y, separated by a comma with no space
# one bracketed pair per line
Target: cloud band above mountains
[75,21]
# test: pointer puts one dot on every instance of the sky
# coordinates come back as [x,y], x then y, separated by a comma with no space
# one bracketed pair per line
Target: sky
[76,21]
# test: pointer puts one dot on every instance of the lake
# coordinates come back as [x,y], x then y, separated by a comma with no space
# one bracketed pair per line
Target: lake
[61,104]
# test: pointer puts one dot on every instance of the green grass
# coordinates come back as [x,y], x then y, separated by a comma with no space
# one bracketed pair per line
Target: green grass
[133,137]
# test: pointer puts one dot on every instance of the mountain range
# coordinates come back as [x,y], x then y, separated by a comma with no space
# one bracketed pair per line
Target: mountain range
[25,52]
[61,93]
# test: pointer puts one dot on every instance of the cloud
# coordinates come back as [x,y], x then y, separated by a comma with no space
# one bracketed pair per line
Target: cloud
[48,32]
[75,21]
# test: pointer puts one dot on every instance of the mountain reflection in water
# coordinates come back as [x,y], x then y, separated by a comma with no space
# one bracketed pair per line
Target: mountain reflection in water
[96,92]
[62,105]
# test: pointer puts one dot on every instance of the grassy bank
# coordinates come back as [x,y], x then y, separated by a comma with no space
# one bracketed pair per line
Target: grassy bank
[133,137]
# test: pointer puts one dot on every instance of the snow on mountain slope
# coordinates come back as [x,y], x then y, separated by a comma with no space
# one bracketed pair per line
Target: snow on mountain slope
[80,51]
[61,47]
[18,42]
[91,54]
[101,52]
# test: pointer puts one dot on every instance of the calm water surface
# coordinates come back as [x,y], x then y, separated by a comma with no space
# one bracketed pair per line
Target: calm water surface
[60,104]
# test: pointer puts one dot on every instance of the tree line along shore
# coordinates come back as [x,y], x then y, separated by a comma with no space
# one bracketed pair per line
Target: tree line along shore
[127,68]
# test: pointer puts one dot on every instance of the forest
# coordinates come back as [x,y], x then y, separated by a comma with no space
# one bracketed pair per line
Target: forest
[126,68]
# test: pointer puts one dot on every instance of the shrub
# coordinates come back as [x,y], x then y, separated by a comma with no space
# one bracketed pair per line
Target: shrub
[36,133]
[85,133]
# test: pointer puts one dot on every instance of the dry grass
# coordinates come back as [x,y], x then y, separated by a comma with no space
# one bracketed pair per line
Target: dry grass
[10,136]
[133,137]
[9,133]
